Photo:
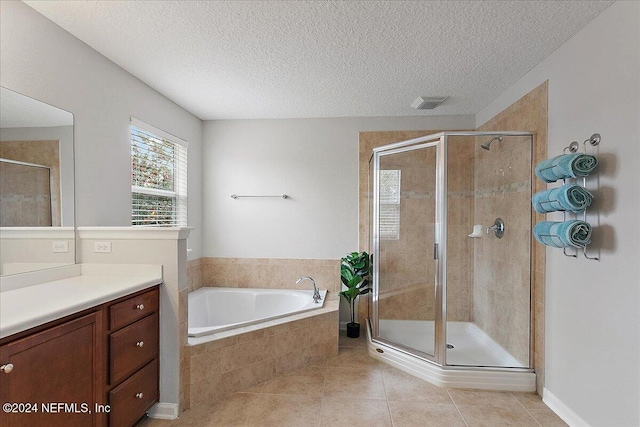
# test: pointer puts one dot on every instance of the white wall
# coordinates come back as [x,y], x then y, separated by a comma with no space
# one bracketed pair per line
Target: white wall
[314,161]
[64,134]
[592,321]
[39,59]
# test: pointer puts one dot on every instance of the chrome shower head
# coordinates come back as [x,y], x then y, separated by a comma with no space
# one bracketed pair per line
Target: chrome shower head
[487,144]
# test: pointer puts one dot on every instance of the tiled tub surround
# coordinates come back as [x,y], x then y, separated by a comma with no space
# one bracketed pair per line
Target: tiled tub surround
[244,357]
[270,273]
[194,274]
[253,354]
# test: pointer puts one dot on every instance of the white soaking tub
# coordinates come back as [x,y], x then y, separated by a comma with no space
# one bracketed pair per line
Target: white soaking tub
[213,310]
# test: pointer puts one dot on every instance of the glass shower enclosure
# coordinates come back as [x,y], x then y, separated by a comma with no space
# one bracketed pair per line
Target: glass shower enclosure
[450,236]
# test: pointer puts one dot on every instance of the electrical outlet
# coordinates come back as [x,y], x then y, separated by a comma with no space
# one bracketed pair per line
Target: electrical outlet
[102,247]
[61,247]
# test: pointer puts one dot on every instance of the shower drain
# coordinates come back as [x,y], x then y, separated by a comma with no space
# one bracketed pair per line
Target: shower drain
[450,346]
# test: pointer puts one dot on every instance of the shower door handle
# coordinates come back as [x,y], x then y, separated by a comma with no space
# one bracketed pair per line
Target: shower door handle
[435,251]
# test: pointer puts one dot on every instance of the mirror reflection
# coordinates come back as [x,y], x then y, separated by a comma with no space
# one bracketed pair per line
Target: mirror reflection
[36,185]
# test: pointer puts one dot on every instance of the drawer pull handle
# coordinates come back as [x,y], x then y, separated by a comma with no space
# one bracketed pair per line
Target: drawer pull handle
[139,395]
[140,306]
[140,343]
[7,368]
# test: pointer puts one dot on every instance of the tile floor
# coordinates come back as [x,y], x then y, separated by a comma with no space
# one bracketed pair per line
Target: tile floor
[354,390]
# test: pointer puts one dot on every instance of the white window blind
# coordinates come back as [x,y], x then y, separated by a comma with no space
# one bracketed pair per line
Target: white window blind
[390,204]
[158,177]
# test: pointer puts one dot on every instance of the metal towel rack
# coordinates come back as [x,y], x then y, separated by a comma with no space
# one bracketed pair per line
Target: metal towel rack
[235,196]
[573,148]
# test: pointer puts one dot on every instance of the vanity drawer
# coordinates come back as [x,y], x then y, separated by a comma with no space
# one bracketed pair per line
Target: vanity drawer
[133,346]
[131,399]
[134,308]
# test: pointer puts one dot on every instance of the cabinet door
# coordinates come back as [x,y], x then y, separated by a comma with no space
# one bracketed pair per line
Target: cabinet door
[57,372]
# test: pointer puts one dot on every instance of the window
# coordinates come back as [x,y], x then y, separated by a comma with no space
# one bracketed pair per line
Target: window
[158,177]
[390,204]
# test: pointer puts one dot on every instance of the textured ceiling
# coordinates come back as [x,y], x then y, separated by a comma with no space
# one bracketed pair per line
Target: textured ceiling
[284,59]
[19,111]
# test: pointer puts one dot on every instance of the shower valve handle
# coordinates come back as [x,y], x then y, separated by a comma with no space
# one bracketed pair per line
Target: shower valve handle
[497,228]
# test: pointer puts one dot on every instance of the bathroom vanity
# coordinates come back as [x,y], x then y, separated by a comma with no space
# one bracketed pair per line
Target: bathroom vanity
[83,352]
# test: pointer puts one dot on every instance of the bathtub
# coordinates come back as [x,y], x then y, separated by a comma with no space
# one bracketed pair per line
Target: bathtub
[213,310]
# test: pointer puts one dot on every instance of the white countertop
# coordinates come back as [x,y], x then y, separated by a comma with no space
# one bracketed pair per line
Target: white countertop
[25,307]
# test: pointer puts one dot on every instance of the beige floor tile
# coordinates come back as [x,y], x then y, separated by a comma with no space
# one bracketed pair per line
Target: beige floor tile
[499,399]
[491,416]
[422,414]
[256,389]
[401,386]
[530,400]
[150,422]
[340,412]
[547,418]
[345,341]
[228,412]
[308,381]
[354,383]
[353,357]
[279,410]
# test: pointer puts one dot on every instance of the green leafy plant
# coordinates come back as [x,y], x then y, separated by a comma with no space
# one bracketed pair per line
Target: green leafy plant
[355,270]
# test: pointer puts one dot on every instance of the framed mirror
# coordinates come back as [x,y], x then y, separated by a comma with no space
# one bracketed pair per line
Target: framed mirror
[37,224]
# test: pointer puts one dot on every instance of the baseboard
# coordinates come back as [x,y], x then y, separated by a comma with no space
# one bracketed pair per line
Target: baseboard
[562,410]
[164,411]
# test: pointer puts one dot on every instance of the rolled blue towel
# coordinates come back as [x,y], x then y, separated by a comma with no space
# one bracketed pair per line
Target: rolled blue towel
[565,166]
[569,197]
[574,233]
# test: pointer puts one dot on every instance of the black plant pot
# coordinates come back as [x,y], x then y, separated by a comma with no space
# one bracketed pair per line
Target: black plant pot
[353,330]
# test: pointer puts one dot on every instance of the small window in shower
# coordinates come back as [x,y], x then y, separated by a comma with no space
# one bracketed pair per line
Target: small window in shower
[390,204]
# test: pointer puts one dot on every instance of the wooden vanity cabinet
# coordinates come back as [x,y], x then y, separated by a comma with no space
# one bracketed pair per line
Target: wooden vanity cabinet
[54,367]
[98,367]
[133,347]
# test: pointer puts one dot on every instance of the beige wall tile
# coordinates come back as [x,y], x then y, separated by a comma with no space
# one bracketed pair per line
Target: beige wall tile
[270,273]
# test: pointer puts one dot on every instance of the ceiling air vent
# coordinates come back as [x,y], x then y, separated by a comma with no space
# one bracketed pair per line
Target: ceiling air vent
[428,103]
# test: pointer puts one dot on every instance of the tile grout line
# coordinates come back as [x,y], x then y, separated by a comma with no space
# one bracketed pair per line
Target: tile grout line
[386,398]
[526,410]
[457,409]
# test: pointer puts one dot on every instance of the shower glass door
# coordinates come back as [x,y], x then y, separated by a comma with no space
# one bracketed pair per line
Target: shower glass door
[404,227]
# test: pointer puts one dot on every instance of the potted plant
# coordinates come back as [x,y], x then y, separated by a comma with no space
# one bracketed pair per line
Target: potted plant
[355,270]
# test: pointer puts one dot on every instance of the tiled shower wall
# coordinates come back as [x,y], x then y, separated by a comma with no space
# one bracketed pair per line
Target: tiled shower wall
[407,267]
[401,299]
[529,113]
[35,198]
[406,274]
[502,266]
[460,205]
[477,195]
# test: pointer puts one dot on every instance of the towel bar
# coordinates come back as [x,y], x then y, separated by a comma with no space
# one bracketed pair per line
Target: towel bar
[235,196]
